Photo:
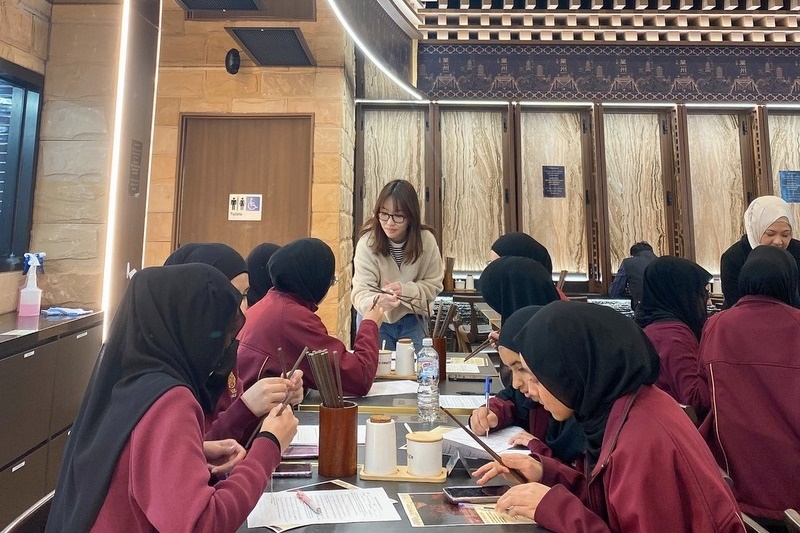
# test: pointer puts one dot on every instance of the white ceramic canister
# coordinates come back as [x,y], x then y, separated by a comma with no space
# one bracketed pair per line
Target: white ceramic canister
[424,453]
[384,362]
[404,358]
[380,447]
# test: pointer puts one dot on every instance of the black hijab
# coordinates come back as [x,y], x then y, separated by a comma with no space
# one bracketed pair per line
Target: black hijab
[260,282]
[674,289]
[170,330]
[512,282]
[564,438]
[523,245]
[588,356]
[220,256]
[305,268]
[770,271]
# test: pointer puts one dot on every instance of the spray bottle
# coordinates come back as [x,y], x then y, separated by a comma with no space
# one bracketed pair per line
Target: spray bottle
[30,296]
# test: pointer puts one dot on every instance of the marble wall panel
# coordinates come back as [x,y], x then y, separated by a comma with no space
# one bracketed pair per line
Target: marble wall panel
[784,141]
[715,169]
[554,139]
[394,147]
[472,185]
[635,187]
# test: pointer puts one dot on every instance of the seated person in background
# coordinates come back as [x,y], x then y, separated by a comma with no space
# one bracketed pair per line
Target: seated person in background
[238,412]
[512,282]
[768,221]
[630,273]
[519,404]
[646,468]
[302,272]
[136,459]
[672,314]
[519,244]
[751,355]
[260,282]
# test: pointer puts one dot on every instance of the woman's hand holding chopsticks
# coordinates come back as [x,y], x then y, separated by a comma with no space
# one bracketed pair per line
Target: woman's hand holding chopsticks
[526,465]
[266,393]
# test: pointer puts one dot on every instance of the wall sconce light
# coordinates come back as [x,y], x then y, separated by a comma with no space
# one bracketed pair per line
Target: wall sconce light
[232,61]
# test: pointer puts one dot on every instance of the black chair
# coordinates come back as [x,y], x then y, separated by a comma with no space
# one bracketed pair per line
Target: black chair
[792,519]
[32,520]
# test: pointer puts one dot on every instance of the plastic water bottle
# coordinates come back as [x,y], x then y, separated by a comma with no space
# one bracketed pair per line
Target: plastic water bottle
[427,382]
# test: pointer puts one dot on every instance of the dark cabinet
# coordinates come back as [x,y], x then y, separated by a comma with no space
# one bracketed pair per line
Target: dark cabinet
[77,354]
[42,383]
[22,484]
[26,382]
[55,453]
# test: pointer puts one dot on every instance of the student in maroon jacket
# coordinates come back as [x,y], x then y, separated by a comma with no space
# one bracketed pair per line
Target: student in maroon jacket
[751,353]
[135,460]
[238,411]
[302,272]
[646,467]
[672,313]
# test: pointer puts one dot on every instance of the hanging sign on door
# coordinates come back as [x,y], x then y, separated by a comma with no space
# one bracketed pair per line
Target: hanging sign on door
[244,207]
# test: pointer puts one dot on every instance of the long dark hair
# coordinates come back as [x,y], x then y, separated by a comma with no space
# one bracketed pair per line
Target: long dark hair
[405,199]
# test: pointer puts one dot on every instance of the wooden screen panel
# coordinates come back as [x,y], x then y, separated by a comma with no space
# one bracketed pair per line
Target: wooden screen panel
[263,155]
[394,148]
[784,142]
[554,139]
[715,170]
[472,185]
[635,186]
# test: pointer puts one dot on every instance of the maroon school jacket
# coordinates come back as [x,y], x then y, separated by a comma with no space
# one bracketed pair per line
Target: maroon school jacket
[682,376]
[654,473]
[283,320]
[752,357]
[161,481]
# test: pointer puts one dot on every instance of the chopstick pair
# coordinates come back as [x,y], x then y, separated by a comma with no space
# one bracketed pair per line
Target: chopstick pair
[418,312]
[514,472]
[288,395]
[477,350]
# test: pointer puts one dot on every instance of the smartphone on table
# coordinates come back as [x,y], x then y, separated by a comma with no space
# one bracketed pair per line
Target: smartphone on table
[292,470]
[474,493]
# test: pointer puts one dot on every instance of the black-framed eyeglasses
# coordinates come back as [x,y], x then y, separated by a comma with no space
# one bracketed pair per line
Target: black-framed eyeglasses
[396,217]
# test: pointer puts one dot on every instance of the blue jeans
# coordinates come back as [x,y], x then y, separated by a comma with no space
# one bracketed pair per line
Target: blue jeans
[408,327]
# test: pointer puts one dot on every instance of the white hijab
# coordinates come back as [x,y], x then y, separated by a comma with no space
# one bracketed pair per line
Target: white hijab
[761,214]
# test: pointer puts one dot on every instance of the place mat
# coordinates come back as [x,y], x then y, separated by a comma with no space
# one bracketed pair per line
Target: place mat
[394,375]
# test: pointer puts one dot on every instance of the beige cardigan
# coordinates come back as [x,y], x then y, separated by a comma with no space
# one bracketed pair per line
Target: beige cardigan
[421,279]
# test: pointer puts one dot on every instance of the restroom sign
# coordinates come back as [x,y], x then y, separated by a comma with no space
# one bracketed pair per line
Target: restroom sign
[244,207]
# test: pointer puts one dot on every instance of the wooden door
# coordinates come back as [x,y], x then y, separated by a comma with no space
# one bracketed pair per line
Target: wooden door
[220,156]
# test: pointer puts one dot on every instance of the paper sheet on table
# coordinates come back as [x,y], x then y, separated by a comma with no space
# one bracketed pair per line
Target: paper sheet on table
[497,441]
[282,510]
[309,435]
[390,388]
[465,401]
[478,361]
[463,368]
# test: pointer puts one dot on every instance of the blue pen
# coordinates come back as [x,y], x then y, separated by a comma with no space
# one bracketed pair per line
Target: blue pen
[486,389]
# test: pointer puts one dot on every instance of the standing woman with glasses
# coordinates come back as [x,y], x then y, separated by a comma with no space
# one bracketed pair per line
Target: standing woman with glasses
[397,265]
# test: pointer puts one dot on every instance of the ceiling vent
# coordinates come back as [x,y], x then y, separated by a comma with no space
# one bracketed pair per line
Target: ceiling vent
[274,47]
[219,5]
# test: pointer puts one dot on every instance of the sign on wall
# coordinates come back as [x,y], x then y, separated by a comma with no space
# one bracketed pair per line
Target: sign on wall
[244,207]
[790,185]
[554,182]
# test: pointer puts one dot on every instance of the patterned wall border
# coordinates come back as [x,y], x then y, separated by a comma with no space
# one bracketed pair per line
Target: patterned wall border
[610,73]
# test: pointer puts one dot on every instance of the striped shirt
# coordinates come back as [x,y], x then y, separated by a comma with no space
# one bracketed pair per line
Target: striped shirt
[397,251]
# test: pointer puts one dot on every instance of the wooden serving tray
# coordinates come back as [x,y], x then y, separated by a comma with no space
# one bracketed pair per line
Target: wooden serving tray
[403,475]
[393,375]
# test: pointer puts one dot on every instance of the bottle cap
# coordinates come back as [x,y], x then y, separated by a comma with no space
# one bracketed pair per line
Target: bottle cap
[427,341]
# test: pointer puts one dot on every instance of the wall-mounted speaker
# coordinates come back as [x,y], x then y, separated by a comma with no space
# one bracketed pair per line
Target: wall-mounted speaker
[232,61]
